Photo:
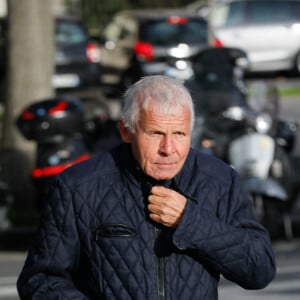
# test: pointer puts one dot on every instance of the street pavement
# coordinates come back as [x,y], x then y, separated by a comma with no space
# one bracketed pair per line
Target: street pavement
[10,266]
[285,286]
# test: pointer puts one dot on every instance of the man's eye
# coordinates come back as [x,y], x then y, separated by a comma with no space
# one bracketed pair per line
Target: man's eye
[179,134]
[154,133]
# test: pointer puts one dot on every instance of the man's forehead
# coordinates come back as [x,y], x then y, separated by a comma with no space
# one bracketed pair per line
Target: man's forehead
[156,119]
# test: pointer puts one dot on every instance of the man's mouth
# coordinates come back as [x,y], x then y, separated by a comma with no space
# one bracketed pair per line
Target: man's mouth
[166,164]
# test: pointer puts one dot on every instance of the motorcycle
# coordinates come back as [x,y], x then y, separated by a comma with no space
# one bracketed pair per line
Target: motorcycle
[253,142]
[66,131]
[265,169]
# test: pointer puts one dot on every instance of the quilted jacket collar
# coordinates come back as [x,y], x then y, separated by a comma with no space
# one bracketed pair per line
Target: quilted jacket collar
[134,174]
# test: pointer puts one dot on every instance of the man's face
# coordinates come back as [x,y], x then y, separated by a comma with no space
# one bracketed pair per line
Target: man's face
[161,142]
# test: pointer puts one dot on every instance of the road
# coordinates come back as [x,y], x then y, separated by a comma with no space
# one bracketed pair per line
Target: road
[10,266]
[284,287]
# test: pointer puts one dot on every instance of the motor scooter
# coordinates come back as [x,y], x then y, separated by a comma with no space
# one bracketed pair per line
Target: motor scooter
[265,169]
[66,131]
[243,140]
[229,128]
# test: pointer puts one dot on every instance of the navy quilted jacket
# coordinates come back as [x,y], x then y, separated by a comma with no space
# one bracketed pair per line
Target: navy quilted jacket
[96,241]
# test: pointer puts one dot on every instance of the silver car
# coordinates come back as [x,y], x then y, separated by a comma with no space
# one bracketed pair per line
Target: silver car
[267,30]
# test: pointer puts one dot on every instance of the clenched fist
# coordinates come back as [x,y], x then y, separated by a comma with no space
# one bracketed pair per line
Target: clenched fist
[166,206]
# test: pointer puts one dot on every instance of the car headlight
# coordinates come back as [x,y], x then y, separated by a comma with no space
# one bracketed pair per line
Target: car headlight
[235,113]
[263,123]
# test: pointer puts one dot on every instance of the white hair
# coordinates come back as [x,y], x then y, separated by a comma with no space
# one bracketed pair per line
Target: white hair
[164,92]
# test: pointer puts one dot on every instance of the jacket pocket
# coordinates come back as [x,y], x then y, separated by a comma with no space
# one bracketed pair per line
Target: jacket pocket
[114,230]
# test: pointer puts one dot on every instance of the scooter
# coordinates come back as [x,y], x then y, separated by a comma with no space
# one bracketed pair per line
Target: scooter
[229,128]
[243,140]
[66,131]
[265,169]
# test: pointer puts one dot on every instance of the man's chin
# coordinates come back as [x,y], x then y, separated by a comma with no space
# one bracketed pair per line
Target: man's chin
[163,175]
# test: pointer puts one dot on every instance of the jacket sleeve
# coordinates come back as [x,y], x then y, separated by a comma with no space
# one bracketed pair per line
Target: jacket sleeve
[234,245]
[51,262]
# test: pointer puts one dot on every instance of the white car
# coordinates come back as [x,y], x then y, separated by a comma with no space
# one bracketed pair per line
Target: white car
[267,30]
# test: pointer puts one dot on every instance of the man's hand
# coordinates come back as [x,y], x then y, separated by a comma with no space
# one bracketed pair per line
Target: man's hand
[166,206]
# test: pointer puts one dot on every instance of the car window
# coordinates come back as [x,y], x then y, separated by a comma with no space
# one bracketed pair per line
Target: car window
[266,12]
[69,32]
[255,12]
[296,10]
[164,33]
[229,14]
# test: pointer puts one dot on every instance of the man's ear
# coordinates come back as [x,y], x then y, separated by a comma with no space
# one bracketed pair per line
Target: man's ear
[124,132]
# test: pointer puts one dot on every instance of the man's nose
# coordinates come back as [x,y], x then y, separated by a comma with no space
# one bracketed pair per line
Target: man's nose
[167,145]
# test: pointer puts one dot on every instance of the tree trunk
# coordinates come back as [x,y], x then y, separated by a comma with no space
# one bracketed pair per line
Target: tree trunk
[30,61]
[30,68]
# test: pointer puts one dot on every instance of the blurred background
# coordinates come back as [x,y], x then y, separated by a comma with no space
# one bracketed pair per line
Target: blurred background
[64,65]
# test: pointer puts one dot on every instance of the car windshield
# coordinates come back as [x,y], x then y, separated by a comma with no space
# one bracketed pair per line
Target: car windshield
[166,33]
[253,12]
[69,32]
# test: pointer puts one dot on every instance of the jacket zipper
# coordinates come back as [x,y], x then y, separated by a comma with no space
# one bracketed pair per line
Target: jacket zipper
[160,270]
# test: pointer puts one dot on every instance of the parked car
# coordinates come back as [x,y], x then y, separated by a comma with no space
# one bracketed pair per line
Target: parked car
[77,55]
[145,42]
[267,30]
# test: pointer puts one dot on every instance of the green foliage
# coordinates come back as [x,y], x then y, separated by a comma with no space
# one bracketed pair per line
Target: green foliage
[290,91]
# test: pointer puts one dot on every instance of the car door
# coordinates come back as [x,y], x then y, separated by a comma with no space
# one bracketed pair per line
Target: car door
[262,43]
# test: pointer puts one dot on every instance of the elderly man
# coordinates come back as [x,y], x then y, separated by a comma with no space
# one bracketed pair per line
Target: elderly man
[150,219]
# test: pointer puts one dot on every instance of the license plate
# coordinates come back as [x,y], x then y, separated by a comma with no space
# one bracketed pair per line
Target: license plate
[65,80]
